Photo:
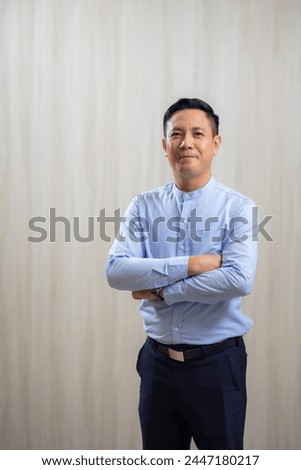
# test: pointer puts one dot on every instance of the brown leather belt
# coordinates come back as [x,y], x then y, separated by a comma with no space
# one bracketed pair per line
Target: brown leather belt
[196,352]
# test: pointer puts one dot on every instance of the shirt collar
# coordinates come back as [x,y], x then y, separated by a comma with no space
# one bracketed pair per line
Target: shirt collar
[201,192]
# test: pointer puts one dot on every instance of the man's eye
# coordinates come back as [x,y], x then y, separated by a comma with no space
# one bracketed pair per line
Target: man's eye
[175,134]
[198,134]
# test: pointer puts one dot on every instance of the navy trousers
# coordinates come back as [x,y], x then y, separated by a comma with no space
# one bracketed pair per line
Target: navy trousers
[204,399]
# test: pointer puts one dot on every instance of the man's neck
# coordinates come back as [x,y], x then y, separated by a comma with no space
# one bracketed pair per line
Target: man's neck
[187,186]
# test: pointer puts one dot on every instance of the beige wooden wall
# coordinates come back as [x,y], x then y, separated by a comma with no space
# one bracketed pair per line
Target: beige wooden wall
[84,84]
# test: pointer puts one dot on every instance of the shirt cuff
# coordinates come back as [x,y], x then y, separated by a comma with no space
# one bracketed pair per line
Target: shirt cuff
[177,268]
[174,293]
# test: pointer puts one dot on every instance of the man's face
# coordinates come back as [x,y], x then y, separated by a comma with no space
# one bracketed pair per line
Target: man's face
[190,147]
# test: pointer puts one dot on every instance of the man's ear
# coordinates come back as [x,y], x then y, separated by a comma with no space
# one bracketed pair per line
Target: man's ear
[217,142]
[164,144]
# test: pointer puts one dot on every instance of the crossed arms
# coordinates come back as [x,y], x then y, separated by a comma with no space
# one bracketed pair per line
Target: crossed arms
[200,278]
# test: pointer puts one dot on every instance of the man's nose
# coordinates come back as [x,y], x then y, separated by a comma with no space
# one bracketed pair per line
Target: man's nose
[187,142]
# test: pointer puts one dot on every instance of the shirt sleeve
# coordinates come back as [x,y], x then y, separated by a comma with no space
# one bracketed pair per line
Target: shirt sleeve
[235,278]
[128,268]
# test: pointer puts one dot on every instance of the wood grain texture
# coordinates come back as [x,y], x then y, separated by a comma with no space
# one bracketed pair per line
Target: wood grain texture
[84,85]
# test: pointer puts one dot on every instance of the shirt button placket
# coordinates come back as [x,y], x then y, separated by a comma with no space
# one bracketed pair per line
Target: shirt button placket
[183,250]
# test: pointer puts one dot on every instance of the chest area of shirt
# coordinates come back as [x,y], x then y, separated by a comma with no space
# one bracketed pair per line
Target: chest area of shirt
[190,226]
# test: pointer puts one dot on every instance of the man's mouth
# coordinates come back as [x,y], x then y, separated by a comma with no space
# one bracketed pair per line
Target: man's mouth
[186,157]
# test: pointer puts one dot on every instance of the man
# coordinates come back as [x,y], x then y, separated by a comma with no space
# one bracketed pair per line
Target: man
[187,251]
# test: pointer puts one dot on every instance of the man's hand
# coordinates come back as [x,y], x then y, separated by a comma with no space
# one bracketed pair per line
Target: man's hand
[144,295]
[199,264]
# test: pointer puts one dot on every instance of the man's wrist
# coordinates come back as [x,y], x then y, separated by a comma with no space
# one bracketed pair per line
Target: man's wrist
[158,292]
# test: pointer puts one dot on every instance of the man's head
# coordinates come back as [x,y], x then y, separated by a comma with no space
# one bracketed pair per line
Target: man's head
[192,103]
[190,142]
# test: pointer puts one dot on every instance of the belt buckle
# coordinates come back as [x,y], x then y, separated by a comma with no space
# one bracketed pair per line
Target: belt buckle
[176,355]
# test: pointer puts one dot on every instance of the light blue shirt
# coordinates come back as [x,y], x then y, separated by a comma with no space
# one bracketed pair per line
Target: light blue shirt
[161,229]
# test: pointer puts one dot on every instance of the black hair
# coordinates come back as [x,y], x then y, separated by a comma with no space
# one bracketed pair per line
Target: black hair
[192,103]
